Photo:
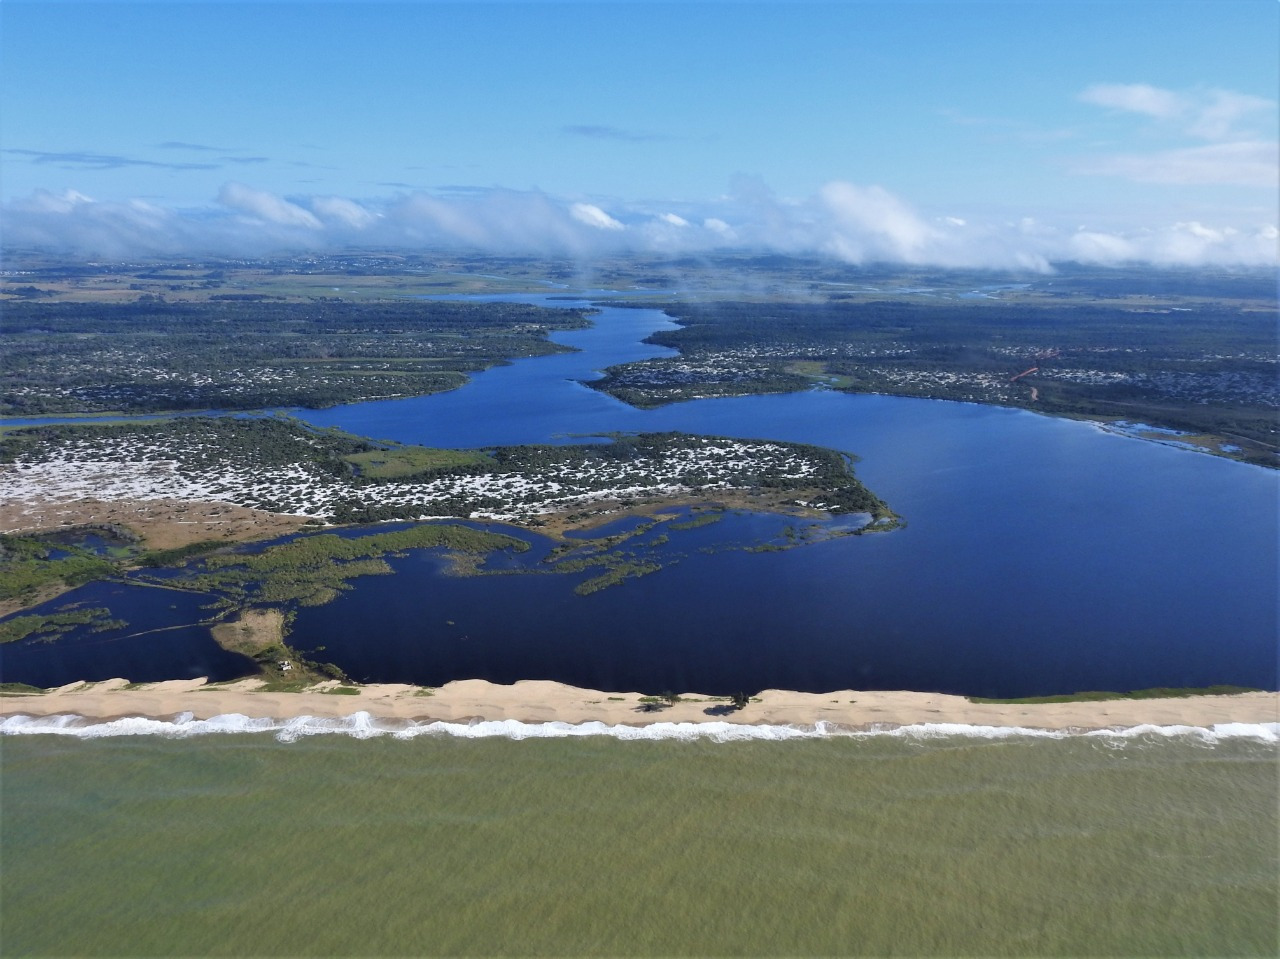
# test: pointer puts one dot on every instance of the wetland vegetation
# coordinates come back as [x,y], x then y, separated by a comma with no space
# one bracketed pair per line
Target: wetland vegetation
[276,463]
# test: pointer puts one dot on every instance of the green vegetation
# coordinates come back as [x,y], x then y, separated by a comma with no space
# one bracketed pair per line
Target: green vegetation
[19,689]
[288,671]
[179,554]
[309,570]
[1155,692]
[29,566]
[700,519]
[312,569]
[400,462]
[619,570]
[48,627]
[256,461]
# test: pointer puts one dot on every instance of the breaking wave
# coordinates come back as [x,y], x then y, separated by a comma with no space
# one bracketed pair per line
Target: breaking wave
[362,725]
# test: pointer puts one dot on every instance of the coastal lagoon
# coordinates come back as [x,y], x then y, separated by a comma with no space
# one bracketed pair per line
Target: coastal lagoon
[1039,556]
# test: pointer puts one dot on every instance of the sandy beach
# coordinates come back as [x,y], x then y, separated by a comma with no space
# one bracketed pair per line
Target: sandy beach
[536,701]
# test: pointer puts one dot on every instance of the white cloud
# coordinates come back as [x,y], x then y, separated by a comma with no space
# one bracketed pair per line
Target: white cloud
[869,222]
[594,216]
[843,220]
[1136,98]
[1235,153]
[343,210]
[266,206]
[720,228]
[1090,246]
[1205,113]
[1219,114]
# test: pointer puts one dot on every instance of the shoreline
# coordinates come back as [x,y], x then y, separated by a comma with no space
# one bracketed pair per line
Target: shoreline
[534,702]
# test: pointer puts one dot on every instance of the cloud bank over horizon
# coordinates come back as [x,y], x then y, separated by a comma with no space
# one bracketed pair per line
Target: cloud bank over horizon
[845,221]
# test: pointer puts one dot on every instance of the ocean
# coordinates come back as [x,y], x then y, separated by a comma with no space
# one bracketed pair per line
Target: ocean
[278,843]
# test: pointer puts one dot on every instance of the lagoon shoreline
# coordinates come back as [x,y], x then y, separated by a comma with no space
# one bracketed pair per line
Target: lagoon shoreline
[542,701]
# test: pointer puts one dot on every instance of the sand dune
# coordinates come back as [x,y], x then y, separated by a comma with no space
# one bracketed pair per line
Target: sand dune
[536,701]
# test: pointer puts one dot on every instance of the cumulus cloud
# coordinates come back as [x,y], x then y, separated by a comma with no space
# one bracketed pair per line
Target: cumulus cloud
[720,228]
[498,220]
[871,223]
[266,206]
[73,222]
[593,216]
[348,212]
[850,222]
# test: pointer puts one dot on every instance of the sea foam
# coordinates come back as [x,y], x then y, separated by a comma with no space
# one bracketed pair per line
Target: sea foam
[362,725]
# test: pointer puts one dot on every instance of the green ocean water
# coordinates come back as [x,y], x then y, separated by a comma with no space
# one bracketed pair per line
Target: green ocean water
[242,845]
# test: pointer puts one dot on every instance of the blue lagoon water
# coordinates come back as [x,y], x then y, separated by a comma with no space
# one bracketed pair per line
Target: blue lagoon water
[1040,555]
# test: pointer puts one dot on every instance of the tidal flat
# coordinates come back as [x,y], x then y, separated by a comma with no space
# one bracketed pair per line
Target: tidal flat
[958,845]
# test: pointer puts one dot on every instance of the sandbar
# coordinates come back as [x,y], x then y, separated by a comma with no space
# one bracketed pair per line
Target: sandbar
[542,701]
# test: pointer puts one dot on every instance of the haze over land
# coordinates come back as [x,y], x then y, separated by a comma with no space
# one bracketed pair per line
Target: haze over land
[950,134]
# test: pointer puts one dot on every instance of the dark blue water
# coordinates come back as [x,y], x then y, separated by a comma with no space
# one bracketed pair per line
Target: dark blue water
[1041,555]
[161,641]
[538,402]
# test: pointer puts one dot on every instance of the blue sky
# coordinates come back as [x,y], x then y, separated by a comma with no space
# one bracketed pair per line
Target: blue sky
[958,133]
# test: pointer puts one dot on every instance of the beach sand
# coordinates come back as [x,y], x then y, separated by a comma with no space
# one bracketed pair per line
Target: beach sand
[538,701]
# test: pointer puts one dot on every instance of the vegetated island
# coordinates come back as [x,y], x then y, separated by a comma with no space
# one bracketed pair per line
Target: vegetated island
[60,484]
[464,702]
